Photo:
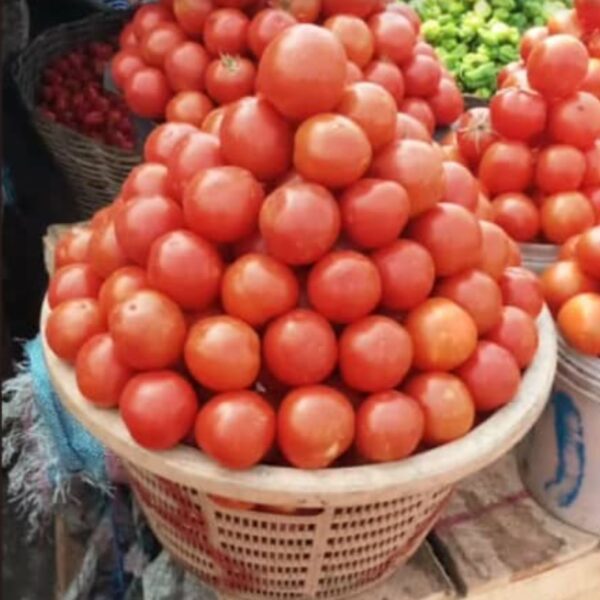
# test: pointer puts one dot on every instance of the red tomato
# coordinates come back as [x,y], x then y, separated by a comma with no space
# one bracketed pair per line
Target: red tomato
[300,222]
[492,376]
[121,284]
[230,78]
[185,66]
[568,249]
[355,36]
[127,38]
[515,258]
[516,332]
[592,173]
[244,416]
[483,211]
[157,43]
[225,32]
[451,253]
[291,60]
[557,66]
[518,114]
[71,282]
[315,426]
[588,12]
[141,319]
[517,215]
[593,195]
[300,348]
[360,8]
[447,404]
[447,102]
[563,280]
[565,21]
[192,15]
[71,324]
[223,353]
[388,76]
[214,120]
[576,121]
[72,247]
[147,179]
[560,169]
[418,167]
[187,268]
[256,288]
[530,39]
[252,119]
[105,253]
[409,128]
[353,73]
[407,274]
[512,75]
[148,17]
[123,64]
[422,47]
[375,354]
[389,426]
[305,11]
[588,252]
[189,107]
[474,133]
[579,322]
[591,83]
[422,75]
[394,36]
[162,141]
[506,167]
[460,186]
[495,250]
[521,288]
[374,212]
[101,375]
[406,11]
[593,44]
[565,215]
[265,26]
[147,93]
[344,286]
[158,409]
[103,216]
[420,110]
[222,203]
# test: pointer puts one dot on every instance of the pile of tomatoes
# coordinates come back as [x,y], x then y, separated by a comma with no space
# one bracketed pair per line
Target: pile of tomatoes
[303,289]
[72,94]
[180,58]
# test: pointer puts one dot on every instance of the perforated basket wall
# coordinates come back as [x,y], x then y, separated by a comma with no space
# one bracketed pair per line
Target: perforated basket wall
[325,553]
[93,170]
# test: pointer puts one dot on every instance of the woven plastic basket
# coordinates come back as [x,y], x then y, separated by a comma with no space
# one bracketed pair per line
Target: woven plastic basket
[94,171]
[355,525]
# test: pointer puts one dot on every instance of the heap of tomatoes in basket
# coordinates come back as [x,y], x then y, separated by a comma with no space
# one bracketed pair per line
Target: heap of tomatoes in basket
[71,93]
[296,289]
[180,58]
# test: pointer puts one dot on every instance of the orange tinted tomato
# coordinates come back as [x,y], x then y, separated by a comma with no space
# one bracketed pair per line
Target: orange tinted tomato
[560,169]
[506,167]
[563,280]
[495,250]
[105,253]
[579,322]
[568,249]
[72,247]
[188,107]
[355,36]
[77,280]
[565,215]
[517,215]
[119,286]
[460,186]
[588,252]
[523,289]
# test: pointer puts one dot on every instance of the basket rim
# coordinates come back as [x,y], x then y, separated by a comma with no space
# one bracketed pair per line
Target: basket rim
[344,486]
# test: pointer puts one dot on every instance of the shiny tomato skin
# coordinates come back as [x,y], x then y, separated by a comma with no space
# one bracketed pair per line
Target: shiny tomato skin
[257,288]
[460,186]
[394,36]
[242,416]
[265,26]
[406,11]
[186,268]
[147,179]
[593,195]
[565,215]
[419,109]
[105,253]
[375,354]
[409,128]
[123,64]
[162,141]
[192,14]
[422,76]
[147,92]
[189,107]
[148,17]
[315,426]
[225,32]
[592,172]
[158,409]
[128,40]
[72,247]
[300,222]
[344,286]
[355,36]
[521,288]
[588,252]
[353,73]
[575,121]
[77,280]
[591,83]
[579,322]
[588,12]
[519,114]
[71,324]
[305,11]
[530,38]
[230,78]
[214,119]
[157,43]
[223,353]
[447,102]
[101,375]
[517,215]
[564,279]
[389,427]
[300,348]
[475,134]
[506,167]
[495,250]
[122,283]
[560,168]
[360,8]
[388,76]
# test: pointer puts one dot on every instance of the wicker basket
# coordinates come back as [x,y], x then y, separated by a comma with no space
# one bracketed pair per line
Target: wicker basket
[355,526]
[15,27]
[94,171]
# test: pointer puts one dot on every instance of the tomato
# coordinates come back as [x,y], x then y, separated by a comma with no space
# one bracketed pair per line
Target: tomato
[127,38]
[406,11]
[195,152]
[415,165]
[241,416]
[265,26]
[103,216]
[517,215]
[72,247]
[71,324]
[447,404]
[374,212]
[187,268]
[506,167]
[157,43]
[518,114]
[593,195]
[521,288]
[222,203]
[123,64]
[446,102]
[483,210]
[422,75]
[474,133]
[492,376]
[563,280]
[565,21]
[291,60]
[192,14]
[495,250]
[355,36]
[300,348]
[389,426]
[375,354]
[101,375]
[460,186]
[593,44]
[394,36]
[148,17]
[579,322]
[420,110]
[315,426]
[568,249]
[147,179]
[560,168]
[592,172]
[225,32]
[252,119]
[360,8]
[588,12]
[147,93]
[515,257]
[185,66]
[299,222]
[213,121]
[576,120]
[530,38]
[409,128]
[223,353]
[344,286]
[121,284]
[516,332]
[158,409]
[388,76]
[591,83]
[353,73]
[588,252]
[105,253]
[189,107]
[513,74]
[230,78]
[71,282]
[162,141]
[566,214]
